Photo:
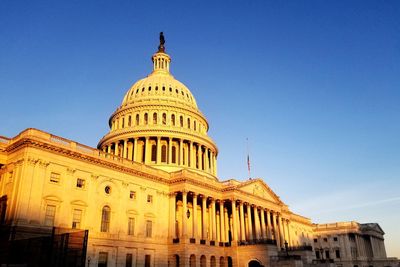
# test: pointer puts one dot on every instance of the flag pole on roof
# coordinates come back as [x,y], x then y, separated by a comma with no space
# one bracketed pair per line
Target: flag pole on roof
[248,158]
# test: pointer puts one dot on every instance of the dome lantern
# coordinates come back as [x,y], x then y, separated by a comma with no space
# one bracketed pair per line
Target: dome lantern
[160,59]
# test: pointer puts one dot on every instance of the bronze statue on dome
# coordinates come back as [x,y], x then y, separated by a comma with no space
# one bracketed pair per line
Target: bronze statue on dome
[161,47]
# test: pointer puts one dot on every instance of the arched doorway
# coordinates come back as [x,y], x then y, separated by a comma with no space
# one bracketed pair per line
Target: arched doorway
[254,263]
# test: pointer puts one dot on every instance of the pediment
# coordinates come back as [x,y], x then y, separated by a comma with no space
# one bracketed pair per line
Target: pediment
[259,188]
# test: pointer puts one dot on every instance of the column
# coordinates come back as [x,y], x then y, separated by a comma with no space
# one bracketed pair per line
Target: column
[158,158]
[242,233]
[249,222]
[280,230]
[199,156]
[191,159]
[288,232]
[172,215]
[227,223]
[222,219]
[135,149]
[130,150]
[215,164]
[234,215]
[170,150]
[256,224]
[125,154]
[204,212]
[146,153]
[181,152]
[184,209]
[269,228]
[194,215]
[263,229]
[276,234]
[206,167]
[213,219]
[109,149]
[116,150]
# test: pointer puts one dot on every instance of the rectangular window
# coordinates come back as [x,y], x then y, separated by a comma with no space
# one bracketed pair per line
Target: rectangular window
[337,254]
[325,239]
[103,259]
[132,195]
[80,183]
[335,239]
[128,262]
[315,240]
[317,254]
[76,219]
[327,254]
[131,226]
[149,199]
[54,177]
[50,215]
[147,261]
[149,230]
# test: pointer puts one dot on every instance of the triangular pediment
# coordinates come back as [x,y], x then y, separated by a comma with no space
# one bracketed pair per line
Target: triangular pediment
[259,188]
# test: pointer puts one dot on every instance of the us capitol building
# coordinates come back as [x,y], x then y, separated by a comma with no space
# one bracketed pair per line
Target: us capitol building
[149,195]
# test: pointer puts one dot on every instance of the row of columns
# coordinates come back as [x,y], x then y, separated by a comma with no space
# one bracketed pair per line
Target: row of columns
[196,155]
[229,223]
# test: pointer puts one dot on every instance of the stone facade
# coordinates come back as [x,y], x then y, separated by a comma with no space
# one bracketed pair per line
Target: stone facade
[150,196]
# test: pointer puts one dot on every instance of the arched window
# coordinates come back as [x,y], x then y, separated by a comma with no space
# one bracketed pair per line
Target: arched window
[203,261]
[129,121]
[154,118]
[173,119]
[213,262]
[137,119]
[188,123]
[146,118]
[105,219]
[164,153]
[153,153]
[173,154]
[123,122]
[181,121]
[192,261]
[221,262]
[164,118]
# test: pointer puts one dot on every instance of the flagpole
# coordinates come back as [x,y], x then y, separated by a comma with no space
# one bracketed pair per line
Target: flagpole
[248,158]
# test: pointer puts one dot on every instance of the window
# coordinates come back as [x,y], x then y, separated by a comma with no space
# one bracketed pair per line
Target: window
[128,262]
[317,254]
[188,123]
[149,199]
[315,240]
[164,153]
[123,122]
[132,195]
[173,154]
[147,258]
[105,219]
[164,118]
[173,119]
[154,118]
[137,119]
[149,228]
[327,254]
[154,153]
[325,239]
[195,125]
[80,183]
[146,118]
[131,226]
[76,219]
[337,253]
[181,121]
[54,177]
[129,120]
[103,259]
[335,238]
[107,189]
[50,215]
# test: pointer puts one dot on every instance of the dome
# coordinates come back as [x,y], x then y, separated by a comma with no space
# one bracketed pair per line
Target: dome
[159,124]
[159,86]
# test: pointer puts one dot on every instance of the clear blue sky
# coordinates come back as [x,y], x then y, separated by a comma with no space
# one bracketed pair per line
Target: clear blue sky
[314,85]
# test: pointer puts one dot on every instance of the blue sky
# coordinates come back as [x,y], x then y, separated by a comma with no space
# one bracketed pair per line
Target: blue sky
[313,85]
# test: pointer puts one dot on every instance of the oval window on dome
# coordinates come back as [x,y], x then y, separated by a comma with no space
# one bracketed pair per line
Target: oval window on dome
[188,123]
[170,89]
[164,118]
[143,89]
[173,119]
[149,88]
[163,88]
[176,90]
[156,88]
[146,118]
